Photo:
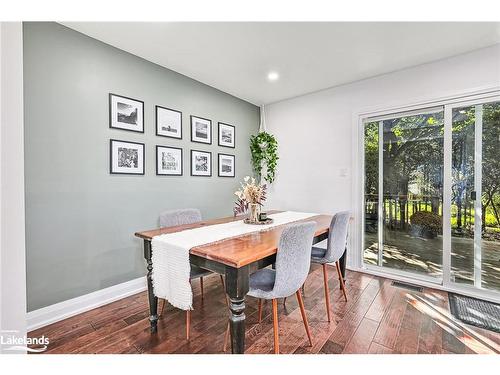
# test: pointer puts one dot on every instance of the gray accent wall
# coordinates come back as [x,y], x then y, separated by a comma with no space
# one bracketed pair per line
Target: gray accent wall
[80,219]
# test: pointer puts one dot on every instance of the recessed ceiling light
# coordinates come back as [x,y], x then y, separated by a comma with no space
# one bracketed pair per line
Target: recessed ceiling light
[273,76]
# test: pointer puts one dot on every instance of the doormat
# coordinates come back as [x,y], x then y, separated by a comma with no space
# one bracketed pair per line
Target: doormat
[476,312]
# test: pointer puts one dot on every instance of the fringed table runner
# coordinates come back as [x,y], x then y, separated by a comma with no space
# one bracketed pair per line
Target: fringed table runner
[171,267]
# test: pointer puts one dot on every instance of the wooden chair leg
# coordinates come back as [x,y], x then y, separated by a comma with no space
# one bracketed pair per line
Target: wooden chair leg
[188,323]
[304,317]
[327,292]
[303,293]
[260,310]
[224,289]
[341,280]
[201,287]
[275,327]
[162,306]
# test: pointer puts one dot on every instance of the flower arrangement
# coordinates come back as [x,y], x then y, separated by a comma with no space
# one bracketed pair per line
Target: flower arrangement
[251,194]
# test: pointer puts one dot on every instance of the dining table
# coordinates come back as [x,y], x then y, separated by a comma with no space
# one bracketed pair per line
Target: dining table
[235,258]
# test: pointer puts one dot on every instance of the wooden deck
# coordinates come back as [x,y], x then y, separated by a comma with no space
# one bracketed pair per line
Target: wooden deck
[378,318]
[424,256]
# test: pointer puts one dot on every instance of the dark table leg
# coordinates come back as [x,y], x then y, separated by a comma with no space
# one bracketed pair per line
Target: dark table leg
[342,262]
[153,301]
[237,288]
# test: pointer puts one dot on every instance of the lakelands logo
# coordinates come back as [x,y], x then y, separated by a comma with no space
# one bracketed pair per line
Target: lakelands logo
[10,341]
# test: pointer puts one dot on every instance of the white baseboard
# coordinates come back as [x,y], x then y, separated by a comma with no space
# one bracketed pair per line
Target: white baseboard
[62,310]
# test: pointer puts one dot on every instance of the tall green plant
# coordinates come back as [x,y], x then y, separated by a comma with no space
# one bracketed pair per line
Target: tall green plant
[264,149]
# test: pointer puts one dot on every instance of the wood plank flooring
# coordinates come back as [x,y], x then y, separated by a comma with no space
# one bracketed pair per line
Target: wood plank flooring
[377,318]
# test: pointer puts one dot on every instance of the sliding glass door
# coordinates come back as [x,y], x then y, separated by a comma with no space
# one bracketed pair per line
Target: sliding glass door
[412,225]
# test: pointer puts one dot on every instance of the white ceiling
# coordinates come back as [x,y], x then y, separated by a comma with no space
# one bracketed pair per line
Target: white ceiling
[236,57]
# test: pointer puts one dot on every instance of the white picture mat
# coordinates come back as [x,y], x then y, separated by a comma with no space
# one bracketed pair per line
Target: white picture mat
[176,153]
[114,157]
[114,113]
[208,124]
[167,117]
[194,172]
[226,127]
[225,173]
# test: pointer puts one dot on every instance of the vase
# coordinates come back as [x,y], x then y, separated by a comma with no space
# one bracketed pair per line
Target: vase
[253,212]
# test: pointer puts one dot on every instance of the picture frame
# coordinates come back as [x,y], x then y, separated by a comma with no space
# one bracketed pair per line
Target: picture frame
[126,113]
[227,135]
[168,161]
[168,122]
[201,130]
[126,157]
[226,165]
[201,163]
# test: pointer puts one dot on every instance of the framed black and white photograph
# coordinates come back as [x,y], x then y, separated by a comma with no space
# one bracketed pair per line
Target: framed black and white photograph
[126,113]
[168,122]
[227,134]
[201,163]
[126,157]
[226,165]
[168,161]
[201,130]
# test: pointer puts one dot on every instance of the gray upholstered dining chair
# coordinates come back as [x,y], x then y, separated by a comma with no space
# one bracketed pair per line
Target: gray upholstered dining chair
[173,218]
[336,245]
[293,260]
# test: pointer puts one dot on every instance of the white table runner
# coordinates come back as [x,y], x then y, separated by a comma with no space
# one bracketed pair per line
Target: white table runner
[171,267]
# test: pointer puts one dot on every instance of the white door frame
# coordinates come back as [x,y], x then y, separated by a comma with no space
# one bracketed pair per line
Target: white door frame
[12,228]
[356,263]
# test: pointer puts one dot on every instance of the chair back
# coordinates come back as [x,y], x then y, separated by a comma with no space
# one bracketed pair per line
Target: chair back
[172,218]
[337,236]
[293,258]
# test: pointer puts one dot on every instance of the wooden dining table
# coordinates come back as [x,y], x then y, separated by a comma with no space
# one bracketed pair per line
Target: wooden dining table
[235,258]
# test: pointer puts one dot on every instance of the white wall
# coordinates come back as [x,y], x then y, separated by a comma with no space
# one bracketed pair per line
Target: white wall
[12,250]
[314,131]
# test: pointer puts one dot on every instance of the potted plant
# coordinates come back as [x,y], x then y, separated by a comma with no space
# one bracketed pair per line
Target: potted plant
[264,150]
[251,196]
[426,224]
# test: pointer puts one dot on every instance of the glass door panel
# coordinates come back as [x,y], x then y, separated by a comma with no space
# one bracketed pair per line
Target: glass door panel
[475,196]
[412,193]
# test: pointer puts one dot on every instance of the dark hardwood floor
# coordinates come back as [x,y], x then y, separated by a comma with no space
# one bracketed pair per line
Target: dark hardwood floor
[378,318]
